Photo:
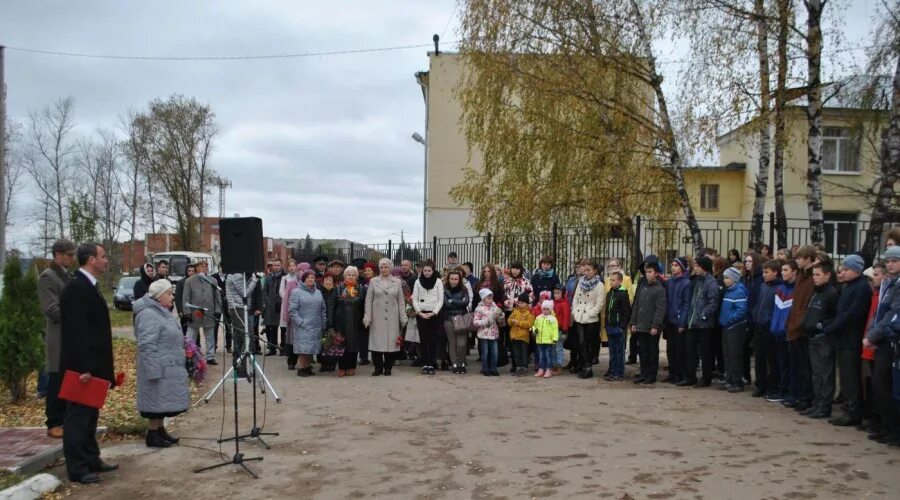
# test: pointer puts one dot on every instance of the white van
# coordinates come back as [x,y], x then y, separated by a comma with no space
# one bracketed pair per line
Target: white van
[178,262]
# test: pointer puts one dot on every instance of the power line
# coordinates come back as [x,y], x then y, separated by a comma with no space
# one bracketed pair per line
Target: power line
[220,58]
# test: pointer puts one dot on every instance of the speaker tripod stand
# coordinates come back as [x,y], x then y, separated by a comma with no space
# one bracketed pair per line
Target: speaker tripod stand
[253,368]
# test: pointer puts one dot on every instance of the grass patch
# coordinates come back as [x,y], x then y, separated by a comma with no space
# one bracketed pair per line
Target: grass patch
[8,479]
[118,319]
[120,414]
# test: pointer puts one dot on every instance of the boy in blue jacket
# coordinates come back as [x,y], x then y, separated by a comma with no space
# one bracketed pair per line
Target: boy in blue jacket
[763,342]
[678,299]
[785,393]
[733,319]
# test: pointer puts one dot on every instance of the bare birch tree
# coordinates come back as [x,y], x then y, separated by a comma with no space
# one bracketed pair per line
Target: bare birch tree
[49,159]
[814,10]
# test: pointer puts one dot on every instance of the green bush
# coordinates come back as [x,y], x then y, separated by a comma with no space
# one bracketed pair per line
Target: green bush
[21,329]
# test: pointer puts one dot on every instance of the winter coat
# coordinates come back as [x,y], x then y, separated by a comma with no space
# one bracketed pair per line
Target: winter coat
[571,285]
[763,307]
[272,299]
[753,284]
[888,307]
[649,308]
[179,297]
[618,308]
[563,314]
[385,313]
[142,285]
[546,330]
[781,310]
[543,281]
[488,319]
[456,301]
[586,305]
[330,298]
[289,287]
[307,308]
[852,310]
[868,353]
[520,321]
[704,308]
[512,288]
[821,310]
[50,287]
[162,380]
[428,300]
[803,292]
[734,306]
[236,285]
[348,317]
[678,300]
[201,290]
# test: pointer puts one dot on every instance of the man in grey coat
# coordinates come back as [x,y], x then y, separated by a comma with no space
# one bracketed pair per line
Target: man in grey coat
[202,291]
[50,286]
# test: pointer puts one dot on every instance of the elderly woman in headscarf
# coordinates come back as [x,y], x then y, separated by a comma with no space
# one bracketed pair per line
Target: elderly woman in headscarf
[162,380]
[308,319]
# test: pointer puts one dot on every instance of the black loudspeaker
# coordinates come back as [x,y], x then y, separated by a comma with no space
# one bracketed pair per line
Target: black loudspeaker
[242,245]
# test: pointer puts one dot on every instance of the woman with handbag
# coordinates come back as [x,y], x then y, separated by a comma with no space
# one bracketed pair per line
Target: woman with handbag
[458,319]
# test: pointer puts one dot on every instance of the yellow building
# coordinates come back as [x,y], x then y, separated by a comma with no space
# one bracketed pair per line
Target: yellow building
[851,138]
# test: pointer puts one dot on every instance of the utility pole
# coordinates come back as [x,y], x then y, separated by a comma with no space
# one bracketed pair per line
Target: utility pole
[2,163]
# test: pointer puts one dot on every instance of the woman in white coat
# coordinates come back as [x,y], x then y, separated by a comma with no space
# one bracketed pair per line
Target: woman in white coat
[586,306]
[385,316]
[427,300]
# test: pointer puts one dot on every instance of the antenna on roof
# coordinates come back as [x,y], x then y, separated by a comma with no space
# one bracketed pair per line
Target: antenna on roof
[436,39]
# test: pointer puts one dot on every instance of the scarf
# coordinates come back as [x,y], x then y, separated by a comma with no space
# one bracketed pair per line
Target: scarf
[428,283]
[540,273]
[349,289]
[588,284]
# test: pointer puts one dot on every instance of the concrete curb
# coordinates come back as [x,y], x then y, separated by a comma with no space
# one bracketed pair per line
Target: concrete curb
[31,488]
[40,461]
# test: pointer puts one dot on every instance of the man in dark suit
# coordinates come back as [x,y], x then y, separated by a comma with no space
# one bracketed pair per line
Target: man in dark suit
[87,350]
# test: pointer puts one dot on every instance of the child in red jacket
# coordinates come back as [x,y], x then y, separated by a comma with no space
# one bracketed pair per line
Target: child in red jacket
[563,313]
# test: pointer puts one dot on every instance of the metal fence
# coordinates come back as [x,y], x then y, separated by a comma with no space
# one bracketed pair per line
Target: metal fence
[629,243]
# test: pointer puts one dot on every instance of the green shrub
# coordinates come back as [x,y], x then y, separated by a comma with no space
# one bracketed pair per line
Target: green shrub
[21,329]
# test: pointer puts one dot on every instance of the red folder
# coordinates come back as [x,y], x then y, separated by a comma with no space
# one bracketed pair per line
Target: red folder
[91,393]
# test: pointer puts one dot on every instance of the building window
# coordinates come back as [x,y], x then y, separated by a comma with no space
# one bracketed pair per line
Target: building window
[709,196]
[841,232]
[840,150]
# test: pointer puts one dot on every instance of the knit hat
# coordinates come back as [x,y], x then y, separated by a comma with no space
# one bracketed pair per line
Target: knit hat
[854,263]
[547,304]
[891,253]
[681,261]
[869,273]
[484,293]
[733,274]
[158,288]
[705,263]
[523,297]
[546,295]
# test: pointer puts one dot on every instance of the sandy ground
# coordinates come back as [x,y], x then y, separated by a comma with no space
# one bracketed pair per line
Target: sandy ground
[469,436]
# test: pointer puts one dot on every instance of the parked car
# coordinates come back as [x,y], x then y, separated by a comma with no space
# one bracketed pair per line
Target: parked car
[124,293]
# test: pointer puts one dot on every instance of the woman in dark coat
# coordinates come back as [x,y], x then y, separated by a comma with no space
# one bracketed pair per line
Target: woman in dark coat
[329,294]
[349,308]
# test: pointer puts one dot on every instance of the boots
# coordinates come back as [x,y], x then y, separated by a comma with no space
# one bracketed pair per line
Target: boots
[167,437]
[155,439]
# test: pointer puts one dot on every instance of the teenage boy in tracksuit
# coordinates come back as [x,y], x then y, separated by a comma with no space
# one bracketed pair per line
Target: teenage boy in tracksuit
[678,298]
[647,316]
[819,315]
[784,301]
[703,314]
[801,375]
[845,332]
[766,366]
[618,314]
[733,320]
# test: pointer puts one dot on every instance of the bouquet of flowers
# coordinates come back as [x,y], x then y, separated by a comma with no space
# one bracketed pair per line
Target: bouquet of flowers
[332,344]
[194,361]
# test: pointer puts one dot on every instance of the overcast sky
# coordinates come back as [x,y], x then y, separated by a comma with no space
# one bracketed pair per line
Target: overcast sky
[317,145]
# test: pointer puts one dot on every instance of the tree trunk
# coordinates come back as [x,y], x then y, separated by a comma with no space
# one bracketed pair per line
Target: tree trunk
[784,16]
[765,139]
[814,118]
[888,175]
[670,145]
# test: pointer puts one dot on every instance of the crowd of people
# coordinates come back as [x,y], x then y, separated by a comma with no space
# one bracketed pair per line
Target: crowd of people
[791,325]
